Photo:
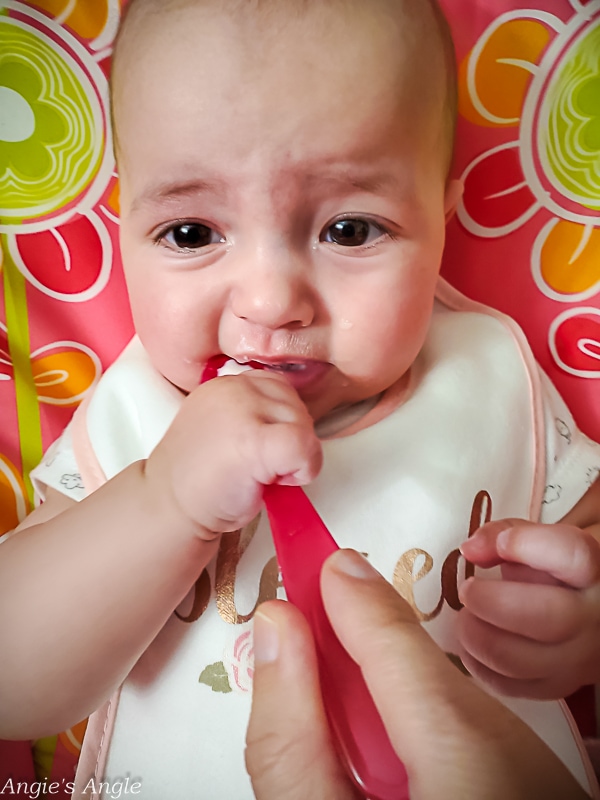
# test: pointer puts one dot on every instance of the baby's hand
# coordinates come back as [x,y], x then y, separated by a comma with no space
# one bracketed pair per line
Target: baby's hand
[536,632]
[233,436]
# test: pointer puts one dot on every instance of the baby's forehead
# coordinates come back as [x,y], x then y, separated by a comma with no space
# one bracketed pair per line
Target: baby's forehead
[258,34]
[260,27]
[284,46]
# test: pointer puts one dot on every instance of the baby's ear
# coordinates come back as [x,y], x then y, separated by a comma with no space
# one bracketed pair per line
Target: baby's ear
[454,190]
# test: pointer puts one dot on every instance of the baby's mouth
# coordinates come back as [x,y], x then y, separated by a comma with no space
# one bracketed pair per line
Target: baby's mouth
[282,366]
[299,373]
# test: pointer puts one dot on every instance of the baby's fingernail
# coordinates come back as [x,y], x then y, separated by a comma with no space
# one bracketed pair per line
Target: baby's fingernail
[266,638]
[466,546]
[463,587]
[503,540]
[349,562]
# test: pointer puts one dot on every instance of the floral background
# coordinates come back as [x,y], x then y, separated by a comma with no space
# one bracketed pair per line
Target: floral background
[526,237]
[63,309]
[63,306]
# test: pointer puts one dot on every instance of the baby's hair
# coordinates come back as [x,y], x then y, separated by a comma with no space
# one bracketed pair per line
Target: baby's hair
[428,35]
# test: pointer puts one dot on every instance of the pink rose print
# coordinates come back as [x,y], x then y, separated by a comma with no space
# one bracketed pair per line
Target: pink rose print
[239,663]
[236,671]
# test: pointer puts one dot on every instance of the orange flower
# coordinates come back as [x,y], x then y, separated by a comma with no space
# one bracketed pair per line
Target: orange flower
[14,505]
[532,71]
[64,372]
[72,738]
[88,18]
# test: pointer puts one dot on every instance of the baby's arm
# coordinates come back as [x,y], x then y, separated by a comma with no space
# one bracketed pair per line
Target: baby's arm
[536,633]
[85,587]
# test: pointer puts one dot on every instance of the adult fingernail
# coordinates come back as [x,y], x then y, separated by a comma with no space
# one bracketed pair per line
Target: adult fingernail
[349,562]
[266,638]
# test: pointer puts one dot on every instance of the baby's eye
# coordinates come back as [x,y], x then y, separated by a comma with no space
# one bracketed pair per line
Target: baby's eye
[352,232]
[190,236]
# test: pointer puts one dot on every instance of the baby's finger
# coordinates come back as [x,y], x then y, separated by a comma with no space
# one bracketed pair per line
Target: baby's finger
[288,749]
[535,689]
[524,574]
[543,613]
[289,454]
[274,387]
[505,653]
[481,548]
[567,553]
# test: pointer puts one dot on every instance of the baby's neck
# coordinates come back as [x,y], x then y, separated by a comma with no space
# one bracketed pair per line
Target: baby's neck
[344,416]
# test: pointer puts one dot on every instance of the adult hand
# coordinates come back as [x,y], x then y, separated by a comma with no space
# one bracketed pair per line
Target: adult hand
[454,739]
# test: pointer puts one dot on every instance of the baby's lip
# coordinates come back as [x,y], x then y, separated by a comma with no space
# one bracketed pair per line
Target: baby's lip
[278,363]
[301,373]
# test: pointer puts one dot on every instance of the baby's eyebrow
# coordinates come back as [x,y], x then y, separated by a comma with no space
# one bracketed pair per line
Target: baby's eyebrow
[374,180]
[337,178]
[365,183]
[157,194]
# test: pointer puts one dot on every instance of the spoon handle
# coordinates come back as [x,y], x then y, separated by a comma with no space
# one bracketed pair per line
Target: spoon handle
[302,543]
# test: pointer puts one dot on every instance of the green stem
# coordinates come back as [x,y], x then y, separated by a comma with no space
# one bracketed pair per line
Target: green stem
[28,411]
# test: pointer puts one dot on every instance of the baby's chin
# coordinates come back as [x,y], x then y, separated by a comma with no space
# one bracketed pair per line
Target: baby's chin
[185,383]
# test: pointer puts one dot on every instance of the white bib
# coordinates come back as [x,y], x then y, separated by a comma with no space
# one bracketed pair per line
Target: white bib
[464,445]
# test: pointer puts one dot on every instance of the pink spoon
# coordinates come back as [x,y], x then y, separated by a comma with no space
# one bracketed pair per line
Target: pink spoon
[302,543]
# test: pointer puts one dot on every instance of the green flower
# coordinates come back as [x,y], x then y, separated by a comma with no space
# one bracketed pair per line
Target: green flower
[50,130]
[587,103]
[573,133]
[27,155]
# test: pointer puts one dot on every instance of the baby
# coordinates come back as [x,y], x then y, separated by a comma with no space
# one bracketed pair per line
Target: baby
[284,171]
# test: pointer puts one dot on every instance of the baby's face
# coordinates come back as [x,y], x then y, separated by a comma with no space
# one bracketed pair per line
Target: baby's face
[286,206]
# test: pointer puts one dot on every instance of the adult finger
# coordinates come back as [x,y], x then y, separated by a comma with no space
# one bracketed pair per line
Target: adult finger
[289,754]
[434,714]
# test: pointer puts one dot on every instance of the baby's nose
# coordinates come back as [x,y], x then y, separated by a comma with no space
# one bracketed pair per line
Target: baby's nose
[275,293]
